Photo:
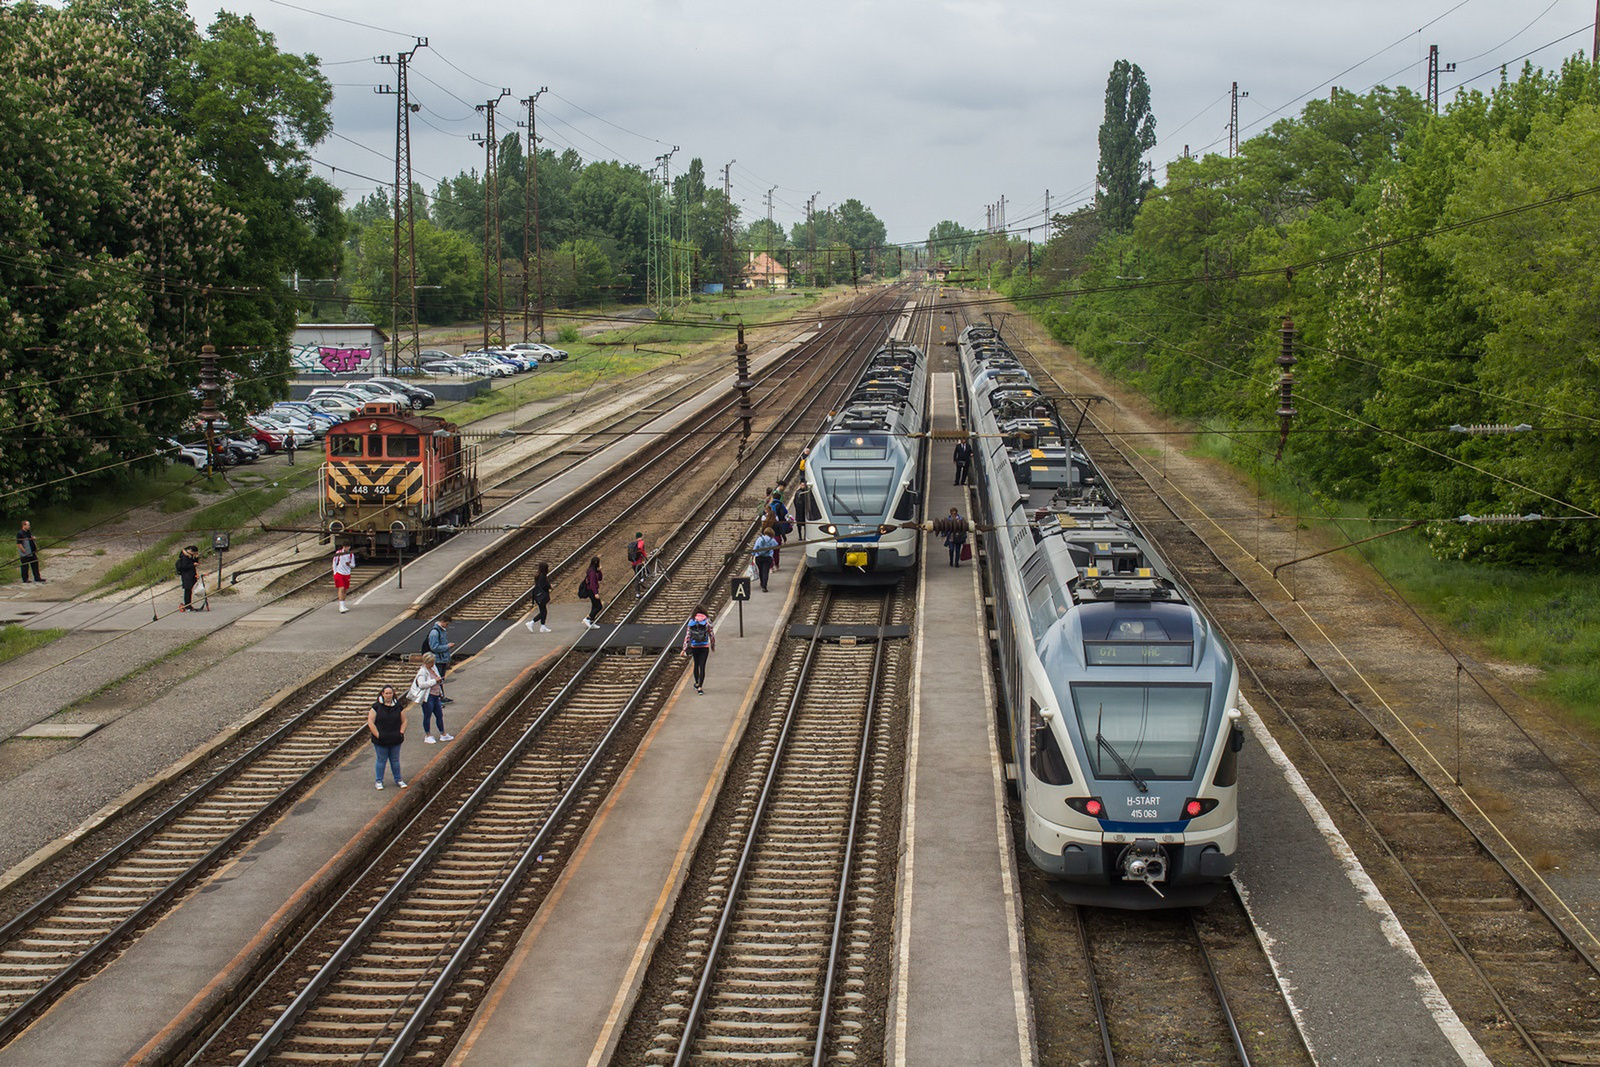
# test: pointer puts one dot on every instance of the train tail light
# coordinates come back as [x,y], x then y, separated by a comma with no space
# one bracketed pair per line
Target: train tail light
[1195,807]
[1093,807]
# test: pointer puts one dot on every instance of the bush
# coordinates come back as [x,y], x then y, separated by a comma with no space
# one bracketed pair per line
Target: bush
[568,335]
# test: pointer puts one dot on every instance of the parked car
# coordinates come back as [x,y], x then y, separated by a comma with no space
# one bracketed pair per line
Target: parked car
[420,397]
[352,400]
[192,454]
[341,408]
[544,352]
[378,392]
[318,421]
[447,367]
[481,362]
[280,430]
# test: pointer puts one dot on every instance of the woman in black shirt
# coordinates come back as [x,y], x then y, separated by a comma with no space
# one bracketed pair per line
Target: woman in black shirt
[386,722]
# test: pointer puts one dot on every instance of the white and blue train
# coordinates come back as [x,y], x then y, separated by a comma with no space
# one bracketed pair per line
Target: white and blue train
[865,474]
[1122,699]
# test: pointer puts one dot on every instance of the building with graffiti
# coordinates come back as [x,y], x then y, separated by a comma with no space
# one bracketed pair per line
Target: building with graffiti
[341,348]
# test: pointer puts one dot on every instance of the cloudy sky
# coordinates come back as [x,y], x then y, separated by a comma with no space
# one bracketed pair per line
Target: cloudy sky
[923,110]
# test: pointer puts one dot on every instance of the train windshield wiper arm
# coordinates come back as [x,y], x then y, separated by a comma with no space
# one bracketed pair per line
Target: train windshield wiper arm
[1101,742]
[833,494]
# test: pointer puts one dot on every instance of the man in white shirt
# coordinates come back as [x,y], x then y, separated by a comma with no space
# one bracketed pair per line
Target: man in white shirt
[344,565]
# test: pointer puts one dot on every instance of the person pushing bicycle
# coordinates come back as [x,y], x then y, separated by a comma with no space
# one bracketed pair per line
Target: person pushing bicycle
[638,554]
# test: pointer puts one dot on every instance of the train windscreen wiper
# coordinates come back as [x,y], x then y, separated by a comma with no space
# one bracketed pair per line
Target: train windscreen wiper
[833,494]
[1101,742]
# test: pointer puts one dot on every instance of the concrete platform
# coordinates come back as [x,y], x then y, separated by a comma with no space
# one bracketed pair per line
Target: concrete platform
[607,911]
[960,979]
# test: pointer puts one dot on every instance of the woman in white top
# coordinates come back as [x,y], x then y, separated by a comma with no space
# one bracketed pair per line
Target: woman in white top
[429,687]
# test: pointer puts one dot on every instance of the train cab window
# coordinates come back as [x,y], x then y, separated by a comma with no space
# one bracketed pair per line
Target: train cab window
[344,445]
[403,446]
[374,445]
[1155,729]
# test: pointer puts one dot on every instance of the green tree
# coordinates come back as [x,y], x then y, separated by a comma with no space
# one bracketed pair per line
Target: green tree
[1128,132]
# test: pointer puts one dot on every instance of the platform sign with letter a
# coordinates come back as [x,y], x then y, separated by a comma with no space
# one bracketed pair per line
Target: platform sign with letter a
[741,588]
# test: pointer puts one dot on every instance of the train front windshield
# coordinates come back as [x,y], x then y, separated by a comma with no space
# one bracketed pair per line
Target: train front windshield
[857,493]
[1155,729]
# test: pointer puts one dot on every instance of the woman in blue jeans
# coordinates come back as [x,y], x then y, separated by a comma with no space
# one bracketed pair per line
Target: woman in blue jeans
[386,722]
[428,688]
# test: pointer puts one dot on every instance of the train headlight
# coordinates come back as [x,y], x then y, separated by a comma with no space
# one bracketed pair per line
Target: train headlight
[1195,807]
[830,530]
[1093,807]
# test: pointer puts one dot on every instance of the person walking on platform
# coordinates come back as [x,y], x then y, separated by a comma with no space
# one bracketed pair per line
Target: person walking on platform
[955,536]
[427,689]
[28,552]
[699,641]
[963,459]
[439,643]
[590,587]
[802,504]
[288,446]
[541,600]
[344,565]
[637,554]
[386,722]
[763,551]
[188,572]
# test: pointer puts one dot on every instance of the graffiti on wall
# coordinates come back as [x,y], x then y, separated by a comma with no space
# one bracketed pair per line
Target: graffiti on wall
[328,359]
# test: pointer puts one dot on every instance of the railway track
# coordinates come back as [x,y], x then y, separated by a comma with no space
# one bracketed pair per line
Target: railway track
[1158,995]
[778,949]
[395,968]
[59,939]
[1526,988]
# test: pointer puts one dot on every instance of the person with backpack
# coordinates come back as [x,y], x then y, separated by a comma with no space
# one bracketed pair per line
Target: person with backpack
[699,641]
[637,554]
[541,600]
[766,545]
[386,723]
[963,458]
[590,587]
[344,565]
[427,689]
[438,642]
[188,573]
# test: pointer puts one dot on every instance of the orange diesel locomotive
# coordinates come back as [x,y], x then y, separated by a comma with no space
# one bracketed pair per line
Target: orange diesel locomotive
[395,482]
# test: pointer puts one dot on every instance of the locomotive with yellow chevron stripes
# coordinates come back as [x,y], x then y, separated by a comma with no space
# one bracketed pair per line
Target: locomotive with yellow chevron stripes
[396,483]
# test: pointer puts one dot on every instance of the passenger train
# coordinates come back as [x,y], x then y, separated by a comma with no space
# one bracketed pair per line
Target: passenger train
[1122,699]
[865,474]
[393,482]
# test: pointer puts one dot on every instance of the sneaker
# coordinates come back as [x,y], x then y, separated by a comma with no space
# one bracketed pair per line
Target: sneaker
[587,623]
[697,689]
[402,785]
[447,737]
[544,629]
[530,626]
[380,785]
[427,739]
[343,608]
[447,700]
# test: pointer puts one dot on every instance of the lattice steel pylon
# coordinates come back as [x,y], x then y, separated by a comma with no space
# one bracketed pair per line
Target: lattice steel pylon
[491,214]
[530,211]
[405,335]
[661,267]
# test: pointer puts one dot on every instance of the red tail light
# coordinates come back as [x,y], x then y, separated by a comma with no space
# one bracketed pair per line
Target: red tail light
[1090,806]
[1195,807]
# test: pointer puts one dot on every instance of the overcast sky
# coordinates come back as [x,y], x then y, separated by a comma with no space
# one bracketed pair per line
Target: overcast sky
[924,110]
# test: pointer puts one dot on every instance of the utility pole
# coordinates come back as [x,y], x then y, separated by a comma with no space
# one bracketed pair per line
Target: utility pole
[1433,73]
[727,225]
[1047,205]
[530,208]
[405,331]
[811,235]
[1002,212]
[771,281]
[1233,121]
[491,213]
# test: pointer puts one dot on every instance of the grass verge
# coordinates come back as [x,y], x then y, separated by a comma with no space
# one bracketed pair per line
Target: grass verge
[15,640]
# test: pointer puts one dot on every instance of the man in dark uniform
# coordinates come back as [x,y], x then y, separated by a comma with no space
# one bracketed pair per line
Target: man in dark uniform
[962,457]
[28,552]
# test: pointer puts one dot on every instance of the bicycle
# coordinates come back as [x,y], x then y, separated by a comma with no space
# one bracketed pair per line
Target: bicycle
[647,574]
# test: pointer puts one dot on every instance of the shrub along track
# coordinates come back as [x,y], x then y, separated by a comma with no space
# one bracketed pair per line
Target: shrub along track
[1527,990]
[56,941]
[395,968]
